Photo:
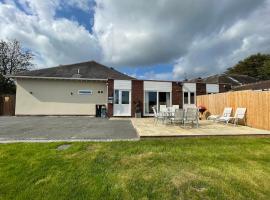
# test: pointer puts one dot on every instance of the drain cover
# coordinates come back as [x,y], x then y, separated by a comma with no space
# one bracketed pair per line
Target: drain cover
[63,147]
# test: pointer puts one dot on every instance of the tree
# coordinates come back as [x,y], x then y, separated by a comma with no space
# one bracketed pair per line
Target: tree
[13,59]
[256,66]
[264,71]
[7,86]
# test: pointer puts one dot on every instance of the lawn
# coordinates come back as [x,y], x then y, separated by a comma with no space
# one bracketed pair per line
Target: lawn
[190,168]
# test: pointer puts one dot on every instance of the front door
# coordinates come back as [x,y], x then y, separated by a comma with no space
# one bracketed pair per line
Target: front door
[122,103]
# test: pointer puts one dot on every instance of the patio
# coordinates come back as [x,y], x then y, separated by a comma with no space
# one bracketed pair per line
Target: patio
[146,128]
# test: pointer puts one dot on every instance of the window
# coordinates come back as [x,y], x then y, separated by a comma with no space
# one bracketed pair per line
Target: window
[125,97]
[116,96]
[150,101]
[100,91]
[185,97]
[189,97]
[155,99]
[85,92]
[121,97]
[192,98]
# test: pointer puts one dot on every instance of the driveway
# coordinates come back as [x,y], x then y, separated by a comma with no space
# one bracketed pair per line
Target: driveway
[65,128]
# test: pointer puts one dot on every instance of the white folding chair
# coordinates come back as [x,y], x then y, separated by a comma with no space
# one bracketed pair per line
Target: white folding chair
[226,113]
[240,114]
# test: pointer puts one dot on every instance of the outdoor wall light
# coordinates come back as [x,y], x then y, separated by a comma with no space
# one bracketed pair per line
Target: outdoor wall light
[71,93]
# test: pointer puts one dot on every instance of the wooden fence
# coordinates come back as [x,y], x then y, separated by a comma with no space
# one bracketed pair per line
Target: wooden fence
[256,102]
[7,105]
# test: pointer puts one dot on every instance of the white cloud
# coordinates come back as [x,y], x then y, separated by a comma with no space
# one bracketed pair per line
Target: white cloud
[55,41]
[201,37]
[43,9]
[152,75]
[85,5]
[216,52]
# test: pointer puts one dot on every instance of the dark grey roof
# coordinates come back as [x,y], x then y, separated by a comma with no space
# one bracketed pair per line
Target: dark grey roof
[233,80]
[261,85]
[84,70]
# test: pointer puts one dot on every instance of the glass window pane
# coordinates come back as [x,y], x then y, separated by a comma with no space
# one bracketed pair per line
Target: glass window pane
[85,92]
[192,98]
[150,100]
[116,96]
[185,97]
[164,98]
[168,99]
[125,97]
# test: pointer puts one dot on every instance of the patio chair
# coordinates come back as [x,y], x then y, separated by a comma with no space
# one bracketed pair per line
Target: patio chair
[226,113]
[162,108]
[157,115]
[175,107]
[239,115]
[191,116]
[178,117]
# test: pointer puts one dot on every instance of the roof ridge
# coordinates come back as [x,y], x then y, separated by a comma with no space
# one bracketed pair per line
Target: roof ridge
[65,65]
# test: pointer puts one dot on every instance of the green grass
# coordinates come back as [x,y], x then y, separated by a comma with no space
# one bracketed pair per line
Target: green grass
[191,168]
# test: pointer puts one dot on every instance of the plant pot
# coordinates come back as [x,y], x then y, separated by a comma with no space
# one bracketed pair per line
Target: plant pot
[138,115]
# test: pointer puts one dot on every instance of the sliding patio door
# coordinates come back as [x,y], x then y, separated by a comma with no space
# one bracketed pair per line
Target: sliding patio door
[150,102]
[164,99]
[154,98]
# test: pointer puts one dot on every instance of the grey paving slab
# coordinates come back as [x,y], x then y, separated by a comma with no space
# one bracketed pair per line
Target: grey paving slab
[65,128]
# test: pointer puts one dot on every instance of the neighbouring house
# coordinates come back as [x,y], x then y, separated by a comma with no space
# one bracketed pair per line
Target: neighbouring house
[261,86]
[80,89]
[233,80]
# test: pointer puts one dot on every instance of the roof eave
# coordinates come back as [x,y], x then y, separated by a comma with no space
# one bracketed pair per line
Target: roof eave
[55,78]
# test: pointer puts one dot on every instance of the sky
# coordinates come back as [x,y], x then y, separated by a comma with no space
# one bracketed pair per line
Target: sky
[153,39]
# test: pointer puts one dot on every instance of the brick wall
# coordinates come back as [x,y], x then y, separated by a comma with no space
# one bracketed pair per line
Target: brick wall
[136,96]
[110,94]
[200,89]
[177,94]
[224,88]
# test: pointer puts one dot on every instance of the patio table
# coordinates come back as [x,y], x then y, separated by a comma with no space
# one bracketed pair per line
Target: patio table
[168,115]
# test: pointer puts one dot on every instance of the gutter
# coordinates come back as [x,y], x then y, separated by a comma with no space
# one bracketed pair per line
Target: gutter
[55,78]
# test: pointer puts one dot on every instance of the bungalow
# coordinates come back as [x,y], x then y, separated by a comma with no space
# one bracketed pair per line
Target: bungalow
[80,89]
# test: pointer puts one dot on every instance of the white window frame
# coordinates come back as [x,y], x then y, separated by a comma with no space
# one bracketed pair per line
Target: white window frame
[157,91]
[189,101]
[85,92]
